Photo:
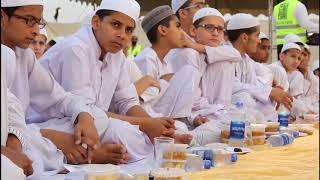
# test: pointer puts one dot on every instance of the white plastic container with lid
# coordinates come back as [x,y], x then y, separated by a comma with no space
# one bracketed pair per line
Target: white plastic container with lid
[101,172]
[168,174]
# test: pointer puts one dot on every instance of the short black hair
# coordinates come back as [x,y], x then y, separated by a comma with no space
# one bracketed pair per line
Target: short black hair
[235,34]
[197,22]
[9,10]
[103,13]
[186,4]
[152,34]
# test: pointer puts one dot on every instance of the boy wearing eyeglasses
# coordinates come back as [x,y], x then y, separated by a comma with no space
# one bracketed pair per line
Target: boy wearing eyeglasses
[215,65]
[42,98]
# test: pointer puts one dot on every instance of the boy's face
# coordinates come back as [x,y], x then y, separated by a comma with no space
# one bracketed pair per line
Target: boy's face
[38,45]
[305,59]
[262,53]
[113,32]
[210,31]
[291,59]
[20,29]
[251,41]
[174,33]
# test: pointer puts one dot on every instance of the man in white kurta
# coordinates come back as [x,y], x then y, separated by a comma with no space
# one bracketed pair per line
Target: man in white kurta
[247,88]
[103,83]
[41,97]
[46,158]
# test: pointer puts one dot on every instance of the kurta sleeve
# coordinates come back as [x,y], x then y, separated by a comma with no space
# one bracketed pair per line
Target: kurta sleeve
[296,84]
[125,95]
[222,53]
[16,119]
[49,99]
[302,16]
[148,67]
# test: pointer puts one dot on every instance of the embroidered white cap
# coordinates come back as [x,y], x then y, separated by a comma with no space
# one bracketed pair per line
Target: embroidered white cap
[204,12]
[176,4]
[292,38]
[290,46]
[130,8]
[242,21]
[263,36]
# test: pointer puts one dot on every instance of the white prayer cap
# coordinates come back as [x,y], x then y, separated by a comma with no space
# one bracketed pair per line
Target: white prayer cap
[155,16]
[204,12]
[16,3]
[242,21]
[315,65]
[263,36]
[290,46]
[43,31]
[129,7]
[176,5]
[292,38]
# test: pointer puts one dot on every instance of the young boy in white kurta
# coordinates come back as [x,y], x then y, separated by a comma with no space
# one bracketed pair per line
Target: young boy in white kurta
[23,145]
[42,98]
[290,58]
[243,32]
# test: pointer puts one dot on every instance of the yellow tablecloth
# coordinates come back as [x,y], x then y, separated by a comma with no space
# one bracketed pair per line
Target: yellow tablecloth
[299,161]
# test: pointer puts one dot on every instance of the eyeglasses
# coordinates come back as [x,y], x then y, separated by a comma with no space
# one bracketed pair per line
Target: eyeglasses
[31,21]
[211,28]
[197,6]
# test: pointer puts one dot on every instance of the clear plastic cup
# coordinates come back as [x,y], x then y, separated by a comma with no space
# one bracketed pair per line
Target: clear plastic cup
[194,163]
[175,152]
[102,171]
[168,174]
[221,157]
[162,145]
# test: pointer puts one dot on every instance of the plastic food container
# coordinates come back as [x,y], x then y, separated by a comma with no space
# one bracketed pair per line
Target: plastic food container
[221,157]
[258,130]
[168,174]
[175,152]
[258,140]
[174,164]
[102,172]
[272,127]
[141,176]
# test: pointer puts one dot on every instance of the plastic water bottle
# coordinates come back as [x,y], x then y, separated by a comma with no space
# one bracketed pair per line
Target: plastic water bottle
[237,126]
[283,116]
[280,140]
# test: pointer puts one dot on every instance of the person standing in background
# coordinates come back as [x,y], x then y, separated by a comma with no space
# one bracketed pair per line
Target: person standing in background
[291,17]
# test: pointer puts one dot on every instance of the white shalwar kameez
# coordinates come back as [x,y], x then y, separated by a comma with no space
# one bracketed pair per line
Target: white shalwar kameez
[254,93]
[47,159]
[292,84]
[175,98]
[216,68]
[103,84]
